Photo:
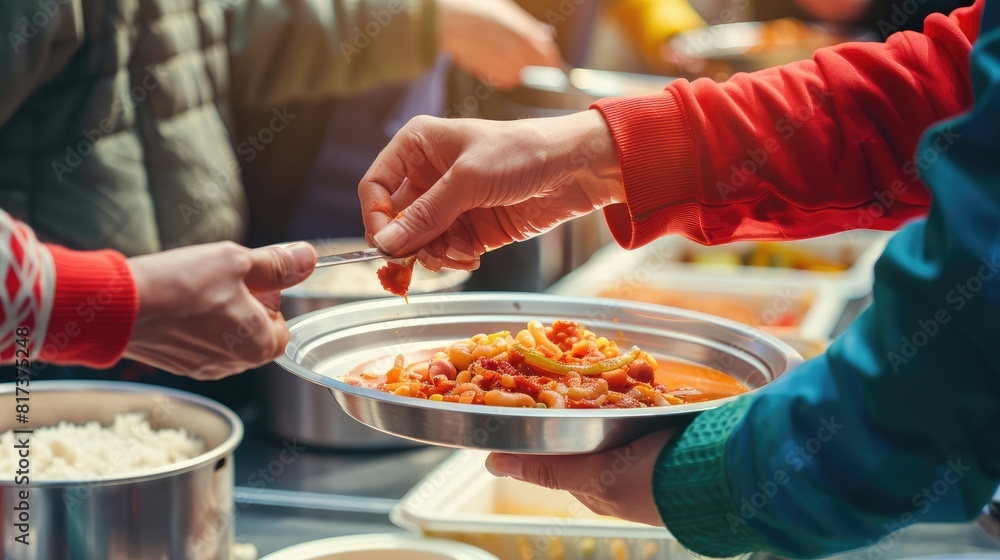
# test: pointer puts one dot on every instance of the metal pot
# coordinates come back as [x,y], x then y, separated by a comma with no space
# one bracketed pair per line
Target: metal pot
[381,547]
[179,511]
[296,409]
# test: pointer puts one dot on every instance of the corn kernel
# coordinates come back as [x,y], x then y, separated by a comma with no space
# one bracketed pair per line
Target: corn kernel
[619,551]
[403,391]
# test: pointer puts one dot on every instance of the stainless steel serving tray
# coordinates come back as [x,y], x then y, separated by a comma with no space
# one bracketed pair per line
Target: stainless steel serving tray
[326,345]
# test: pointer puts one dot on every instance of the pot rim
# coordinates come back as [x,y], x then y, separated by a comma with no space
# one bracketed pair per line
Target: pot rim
[374,542]
[236,431]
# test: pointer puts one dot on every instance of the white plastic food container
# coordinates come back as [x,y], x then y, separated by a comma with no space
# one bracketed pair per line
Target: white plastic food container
[783,301]
[514,520]
[860,249]
[780,308]
[381,547]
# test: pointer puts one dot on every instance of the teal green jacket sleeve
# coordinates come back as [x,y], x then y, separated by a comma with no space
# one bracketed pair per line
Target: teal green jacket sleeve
[897,423]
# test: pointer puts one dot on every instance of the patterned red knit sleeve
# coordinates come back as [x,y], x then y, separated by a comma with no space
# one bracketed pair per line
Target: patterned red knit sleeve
[61,306]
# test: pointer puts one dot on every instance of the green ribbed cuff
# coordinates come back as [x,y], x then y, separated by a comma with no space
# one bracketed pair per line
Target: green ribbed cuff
[691,488]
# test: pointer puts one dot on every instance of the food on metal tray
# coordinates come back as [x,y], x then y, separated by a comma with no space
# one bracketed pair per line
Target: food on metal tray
[559,366]
[788,33]
[765,311]
[396,277]
[129,446]
[772,255]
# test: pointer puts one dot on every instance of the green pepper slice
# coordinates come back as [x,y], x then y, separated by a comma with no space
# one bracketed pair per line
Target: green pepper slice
[537,360]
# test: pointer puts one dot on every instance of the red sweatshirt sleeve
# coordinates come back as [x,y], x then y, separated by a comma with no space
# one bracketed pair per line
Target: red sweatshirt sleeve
[94,308]
[797,151]
[60,306]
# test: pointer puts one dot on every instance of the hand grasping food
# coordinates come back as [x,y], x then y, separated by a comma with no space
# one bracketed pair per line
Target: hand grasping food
[468,186]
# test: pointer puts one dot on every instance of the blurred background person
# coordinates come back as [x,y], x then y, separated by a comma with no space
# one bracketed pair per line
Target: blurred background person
[884,17]
[131,125]
[648,25]
[484,47]
[323,156]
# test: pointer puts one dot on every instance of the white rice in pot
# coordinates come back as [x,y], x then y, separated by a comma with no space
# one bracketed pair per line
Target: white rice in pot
[129,446]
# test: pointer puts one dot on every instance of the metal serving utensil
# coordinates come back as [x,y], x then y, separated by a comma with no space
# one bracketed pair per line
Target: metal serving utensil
[351,257]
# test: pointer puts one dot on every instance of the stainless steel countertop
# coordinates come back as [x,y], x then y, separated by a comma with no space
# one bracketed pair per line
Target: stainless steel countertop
[284,499]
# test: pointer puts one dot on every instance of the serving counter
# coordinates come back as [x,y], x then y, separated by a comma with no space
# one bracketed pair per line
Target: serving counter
[288,493]
[284,499]
[323,493]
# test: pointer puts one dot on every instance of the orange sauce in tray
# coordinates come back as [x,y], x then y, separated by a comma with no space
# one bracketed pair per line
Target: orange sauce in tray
[698,383]
[558,366]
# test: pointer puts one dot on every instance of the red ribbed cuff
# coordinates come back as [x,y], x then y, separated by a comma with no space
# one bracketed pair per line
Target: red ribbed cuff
[94,310]
[659,168]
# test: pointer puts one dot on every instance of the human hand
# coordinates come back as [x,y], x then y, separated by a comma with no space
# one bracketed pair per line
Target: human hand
[210,311]
[459,187]
[618,483]
[494,39]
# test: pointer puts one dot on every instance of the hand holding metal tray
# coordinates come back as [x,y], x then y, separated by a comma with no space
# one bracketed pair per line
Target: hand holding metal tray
[328,344]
